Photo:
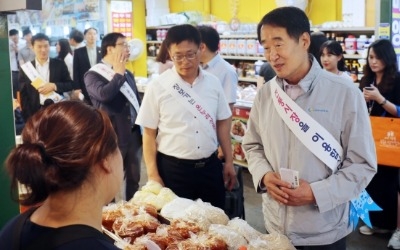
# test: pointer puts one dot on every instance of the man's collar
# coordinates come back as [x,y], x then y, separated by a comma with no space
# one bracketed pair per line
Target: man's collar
[46,62]
[212,62]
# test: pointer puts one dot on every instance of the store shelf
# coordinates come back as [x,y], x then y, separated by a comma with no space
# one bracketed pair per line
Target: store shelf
[354,56]
[345,29]
[247,79]
[154,42]
[238,37]
[248,58]
[159,27]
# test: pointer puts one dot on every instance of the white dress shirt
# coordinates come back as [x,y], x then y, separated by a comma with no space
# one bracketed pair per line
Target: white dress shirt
[92,55]
[180,133]
[43,70]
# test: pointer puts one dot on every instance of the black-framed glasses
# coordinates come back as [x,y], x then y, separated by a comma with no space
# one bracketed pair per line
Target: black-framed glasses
[188,56]
[124,44]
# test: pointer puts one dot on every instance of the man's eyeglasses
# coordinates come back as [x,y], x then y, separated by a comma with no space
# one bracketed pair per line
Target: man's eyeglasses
[188,56]
[125,45]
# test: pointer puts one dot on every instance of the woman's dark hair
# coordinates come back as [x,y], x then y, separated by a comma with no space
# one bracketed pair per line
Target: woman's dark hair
[384,51]
[334,48]
[163,55]
[61,143]
[65,48]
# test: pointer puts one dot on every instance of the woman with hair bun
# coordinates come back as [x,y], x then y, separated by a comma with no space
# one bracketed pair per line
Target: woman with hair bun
[70,162]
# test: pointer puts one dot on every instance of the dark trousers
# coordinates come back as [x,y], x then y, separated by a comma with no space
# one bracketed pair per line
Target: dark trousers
[132,158]
[15,83]
[338,245]
[383,189]
[192,180]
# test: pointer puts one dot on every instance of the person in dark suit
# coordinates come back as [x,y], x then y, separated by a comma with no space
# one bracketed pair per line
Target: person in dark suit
[85,58]
[108,94]
[53,71]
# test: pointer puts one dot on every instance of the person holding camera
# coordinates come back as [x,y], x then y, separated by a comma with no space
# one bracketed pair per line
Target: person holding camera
[381,90]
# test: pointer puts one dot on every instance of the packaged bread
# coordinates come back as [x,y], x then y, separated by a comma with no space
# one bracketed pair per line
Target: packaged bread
[182,228]
[203,241]
[175,208]
[271,242]
[152,187]
[232,238]
[110,213]
[127,229]
[213,214]
[244,229]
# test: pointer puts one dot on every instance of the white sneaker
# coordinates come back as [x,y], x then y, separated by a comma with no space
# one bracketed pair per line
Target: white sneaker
[394,241]
[370,231]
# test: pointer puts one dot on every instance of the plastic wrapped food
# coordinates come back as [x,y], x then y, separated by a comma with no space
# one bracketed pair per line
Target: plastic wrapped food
[200,242]
[127,229]
[175,208]
[271,242]
[232,238]
[199,209]
[182,228]
[110,213]
[166,195]
[244,229]
[148,222]
[152,187]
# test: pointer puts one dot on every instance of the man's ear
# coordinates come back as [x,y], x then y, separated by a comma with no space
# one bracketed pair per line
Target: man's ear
[305,40]
[202,47]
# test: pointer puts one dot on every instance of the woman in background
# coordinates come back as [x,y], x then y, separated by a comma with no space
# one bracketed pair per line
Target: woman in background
[381,89]
[332,58]
[72,170]
[163,59]
[64,53]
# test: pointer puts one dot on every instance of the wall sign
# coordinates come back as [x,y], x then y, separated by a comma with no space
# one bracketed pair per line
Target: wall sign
[122,18]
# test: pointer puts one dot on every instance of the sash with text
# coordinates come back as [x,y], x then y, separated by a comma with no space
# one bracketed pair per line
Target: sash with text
[108,73]
[188,98]
[37,81]
[321,143]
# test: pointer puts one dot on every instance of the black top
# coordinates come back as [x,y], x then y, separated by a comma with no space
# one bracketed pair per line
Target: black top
[392,96]
[89,239]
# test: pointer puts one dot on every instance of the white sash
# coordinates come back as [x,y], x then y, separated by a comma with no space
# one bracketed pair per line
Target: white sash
[37,81]
[125,89]
[315,137]
[188,98]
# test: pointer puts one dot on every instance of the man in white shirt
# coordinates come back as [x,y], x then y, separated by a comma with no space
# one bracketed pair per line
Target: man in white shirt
[54,73]
[85,58]
[185,116]
[26,54]
[213,63]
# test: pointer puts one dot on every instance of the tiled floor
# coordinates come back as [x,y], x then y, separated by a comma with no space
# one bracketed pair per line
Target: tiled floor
[355,241]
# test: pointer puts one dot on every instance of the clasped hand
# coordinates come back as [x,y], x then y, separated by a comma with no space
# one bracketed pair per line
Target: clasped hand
[282,192]
[47,88]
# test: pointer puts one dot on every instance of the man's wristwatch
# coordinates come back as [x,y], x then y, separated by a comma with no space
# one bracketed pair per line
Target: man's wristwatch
[383,103]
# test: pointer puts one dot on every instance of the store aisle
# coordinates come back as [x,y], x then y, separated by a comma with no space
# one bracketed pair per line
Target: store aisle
[254,217]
